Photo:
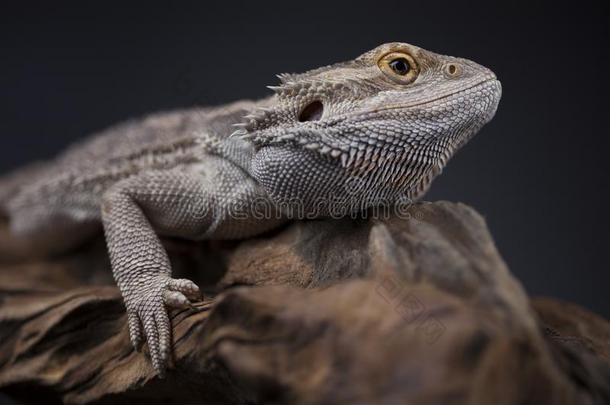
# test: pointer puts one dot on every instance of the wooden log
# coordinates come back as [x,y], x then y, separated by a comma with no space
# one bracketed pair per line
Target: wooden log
[417,308]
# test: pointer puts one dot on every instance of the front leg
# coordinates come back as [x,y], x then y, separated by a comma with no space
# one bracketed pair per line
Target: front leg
[133,212]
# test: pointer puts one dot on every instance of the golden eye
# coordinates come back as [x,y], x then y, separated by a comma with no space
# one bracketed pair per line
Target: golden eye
[399,66]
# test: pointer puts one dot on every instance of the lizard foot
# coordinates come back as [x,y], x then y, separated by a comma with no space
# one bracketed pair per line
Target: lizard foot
[147,315]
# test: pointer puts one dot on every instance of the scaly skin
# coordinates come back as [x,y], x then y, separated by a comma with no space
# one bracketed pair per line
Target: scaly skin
[335,140]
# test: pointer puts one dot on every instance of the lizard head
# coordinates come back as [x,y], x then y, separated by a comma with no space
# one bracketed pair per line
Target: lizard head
[381,126]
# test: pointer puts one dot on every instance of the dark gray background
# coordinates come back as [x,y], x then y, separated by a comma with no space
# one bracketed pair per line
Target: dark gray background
[537,172]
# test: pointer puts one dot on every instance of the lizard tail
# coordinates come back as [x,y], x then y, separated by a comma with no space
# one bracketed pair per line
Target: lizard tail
[12,182]
[12,249]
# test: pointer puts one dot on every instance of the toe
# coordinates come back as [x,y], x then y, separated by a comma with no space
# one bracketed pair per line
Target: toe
[164,331]
[176,299]
[135,330]
[152,339]
[187,287]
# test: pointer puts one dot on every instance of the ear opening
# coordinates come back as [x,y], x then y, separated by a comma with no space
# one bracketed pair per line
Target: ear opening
[312,111]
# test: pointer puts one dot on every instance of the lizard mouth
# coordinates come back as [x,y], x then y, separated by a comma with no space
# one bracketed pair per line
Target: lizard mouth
[490,81]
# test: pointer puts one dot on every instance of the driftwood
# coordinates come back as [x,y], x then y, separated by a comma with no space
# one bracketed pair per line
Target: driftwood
[418,310]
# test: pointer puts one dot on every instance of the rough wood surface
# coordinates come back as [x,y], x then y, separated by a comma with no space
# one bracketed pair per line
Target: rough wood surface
[418,310]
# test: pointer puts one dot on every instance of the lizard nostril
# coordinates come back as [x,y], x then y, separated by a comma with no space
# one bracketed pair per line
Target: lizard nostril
[453,70]
[312,111]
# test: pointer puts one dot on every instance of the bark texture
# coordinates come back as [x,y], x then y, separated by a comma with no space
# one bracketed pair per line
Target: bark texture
[415,310]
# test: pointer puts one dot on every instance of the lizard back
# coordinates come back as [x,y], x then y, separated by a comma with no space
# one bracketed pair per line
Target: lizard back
[159,141]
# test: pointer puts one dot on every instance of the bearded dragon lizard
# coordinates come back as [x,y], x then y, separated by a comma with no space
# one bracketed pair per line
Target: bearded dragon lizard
[391,118]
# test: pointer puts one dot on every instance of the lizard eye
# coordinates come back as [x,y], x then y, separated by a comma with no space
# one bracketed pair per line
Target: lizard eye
[400,67]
